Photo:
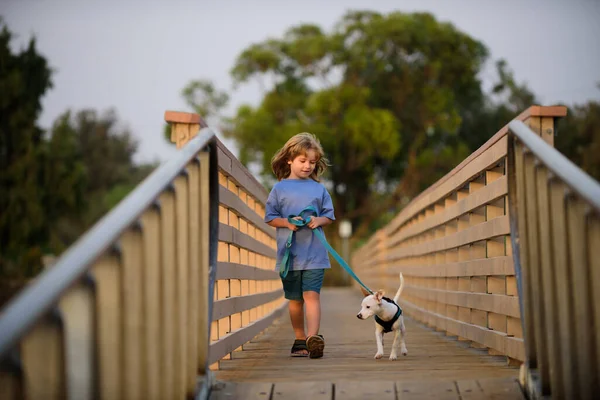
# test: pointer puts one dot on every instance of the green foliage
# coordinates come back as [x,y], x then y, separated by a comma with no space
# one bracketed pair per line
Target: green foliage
[578,137]
[396,101]
[385,94]
[204,98]
[105,151]
[24,220]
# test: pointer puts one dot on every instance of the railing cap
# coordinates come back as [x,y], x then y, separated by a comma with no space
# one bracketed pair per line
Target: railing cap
[184,118]
[543,111]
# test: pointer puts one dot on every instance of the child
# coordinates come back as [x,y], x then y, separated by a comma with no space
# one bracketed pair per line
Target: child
[297,166]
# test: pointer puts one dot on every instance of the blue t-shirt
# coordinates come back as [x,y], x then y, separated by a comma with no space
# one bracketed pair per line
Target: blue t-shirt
[289,197]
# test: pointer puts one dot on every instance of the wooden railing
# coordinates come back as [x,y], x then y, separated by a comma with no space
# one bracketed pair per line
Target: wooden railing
[126,312]
[556,235]
[248,292]
[452,244]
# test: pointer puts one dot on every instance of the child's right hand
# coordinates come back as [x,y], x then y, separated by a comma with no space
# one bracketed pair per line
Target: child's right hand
[292,226]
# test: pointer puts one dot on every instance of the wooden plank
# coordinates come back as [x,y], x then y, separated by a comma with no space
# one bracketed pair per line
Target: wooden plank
[181,282]
[229,270]
[193,278]
[492,339]
[151,303]
[241,390]
[496,284]
[42,355]
[303,390]
[443,390]
[532,260]
[234,203]
[499,304]
[496,227]
[497,388]
[562,282]
[526,295]
[499,266]
[546,284]
[224,161]
[508,389]
[77,308]
[236,304]
[179,117]
[233,236]
[547,130]
[580,289]
[107,280]
[232,340]
[488,194]
[367,390]
[232,167]
[132,324]
[204,323]
[167,288]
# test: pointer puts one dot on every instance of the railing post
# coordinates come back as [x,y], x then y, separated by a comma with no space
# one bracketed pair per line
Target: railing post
[542,121]
[196,263]
[184,126]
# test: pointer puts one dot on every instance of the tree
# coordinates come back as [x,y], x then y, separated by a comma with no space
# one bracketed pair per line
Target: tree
[105,151]
[24,221]
[386,95]
[204,99]
[506,101]
[578,136]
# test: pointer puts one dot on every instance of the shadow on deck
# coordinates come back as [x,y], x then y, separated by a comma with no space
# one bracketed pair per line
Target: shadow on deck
[436,365]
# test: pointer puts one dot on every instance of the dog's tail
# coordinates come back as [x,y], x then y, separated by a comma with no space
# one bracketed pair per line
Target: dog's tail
[399,292]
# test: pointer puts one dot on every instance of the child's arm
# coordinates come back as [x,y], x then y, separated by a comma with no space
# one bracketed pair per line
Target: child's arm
[326,212]
[315,222]
[282,223]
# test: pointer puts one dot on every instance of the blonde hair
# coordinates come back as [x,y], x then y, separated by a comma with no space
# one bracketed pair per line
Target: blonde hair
[298,145]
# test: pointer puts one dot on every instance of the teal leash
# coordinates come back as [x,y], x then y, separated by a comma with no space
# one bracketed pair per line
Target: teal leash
[284,267]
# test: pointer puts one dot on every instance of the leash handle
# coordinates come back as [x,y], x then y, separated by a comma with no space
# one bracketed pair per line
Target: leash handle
[284,267]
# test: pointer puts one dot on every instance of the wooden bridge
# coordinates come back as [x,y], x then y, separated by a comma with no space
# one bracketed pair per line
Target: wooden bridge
[437,365]
[173,293]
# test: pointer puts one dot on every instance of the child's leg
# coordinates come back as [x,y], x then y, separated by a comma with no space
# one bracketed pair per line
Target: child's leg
[296,308]
[313,311]
[312,281]
[292,287]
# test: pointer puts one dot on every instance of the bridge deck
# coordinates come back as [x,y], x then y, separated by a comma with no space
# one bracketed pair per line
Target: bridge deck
[436,365]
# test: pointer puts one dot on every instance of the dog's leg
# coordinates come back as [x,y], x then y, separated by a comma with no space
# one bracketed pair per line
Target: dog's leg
[394,352]
[402,336]
[379,337]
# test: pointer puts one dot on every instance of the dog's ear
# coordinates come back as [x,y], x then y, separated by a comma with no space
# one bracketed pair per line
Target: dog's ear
[379,295]
[364,291]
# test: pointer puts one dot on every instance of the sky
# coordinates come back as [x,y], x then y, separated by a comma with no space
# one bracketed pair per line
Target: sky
[135,56]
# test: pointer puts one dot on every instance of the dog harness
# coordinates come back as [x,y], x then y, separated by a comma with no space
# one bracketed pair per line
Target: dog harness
[387,325]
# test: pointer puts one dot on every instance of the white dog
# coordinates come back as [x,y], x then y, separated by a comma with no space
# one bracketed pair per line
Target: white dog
[388,318]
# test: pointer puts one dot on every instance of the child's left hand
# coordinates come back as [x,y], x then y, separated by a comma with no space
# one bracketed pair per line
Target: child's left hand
[315,222]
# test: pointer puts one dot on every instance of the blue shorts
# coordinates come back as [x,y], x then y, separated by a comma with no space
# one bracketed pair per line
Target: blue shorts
[298,282]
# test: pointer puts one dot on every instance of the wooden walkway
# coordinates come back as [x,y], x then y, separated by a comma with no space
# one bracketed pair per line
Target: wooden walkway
[437,366]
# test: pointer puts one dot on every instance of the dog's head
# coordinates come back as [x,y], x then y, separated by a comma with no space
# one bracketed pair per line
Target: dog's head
[370,304]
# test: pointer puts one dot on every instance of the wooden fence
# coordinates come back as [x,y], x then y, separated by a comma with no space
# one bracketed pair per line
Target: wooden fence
[452,244]
[556,231]
[178,276]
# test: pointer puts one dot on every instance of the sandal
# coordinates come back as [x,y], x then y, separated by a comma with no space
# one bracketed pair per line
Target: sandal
[315,345]
[298,346]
